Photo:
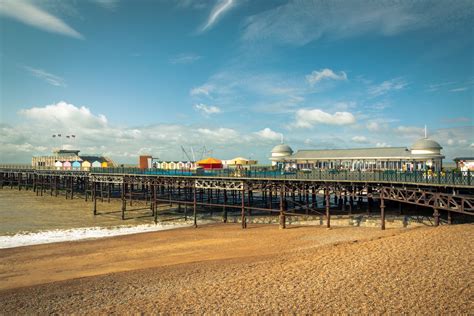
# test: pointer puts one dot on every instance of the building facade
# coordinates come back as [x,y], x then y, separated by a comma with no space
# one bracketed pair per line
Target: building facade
[63,159]
[424,154]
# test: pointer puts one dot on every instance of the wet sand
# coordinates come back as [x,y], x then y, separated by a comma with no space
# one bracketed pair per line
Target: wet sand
[224,269]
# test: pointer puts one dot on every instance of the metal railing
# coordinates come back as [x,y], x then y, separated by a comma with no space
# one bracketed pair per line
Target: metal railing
[463,178]
[449,178]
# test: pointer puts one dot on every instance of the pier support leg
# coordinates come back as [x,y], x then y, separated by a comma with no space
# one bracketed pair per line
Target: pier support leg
[450,219]
[124,201]
[244,221]
[328,215]
[436,217]
[94,198]
[224,209]
[282,207]
[194,207]
[382,212]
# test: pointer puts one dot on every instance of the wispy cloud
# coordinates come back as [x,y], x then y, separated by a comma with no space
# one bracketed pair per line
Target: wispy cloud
[306,118]
[205,90]
[316,76]
[46,76]
[458,89]
[360,139]
[207,109]
[187,58]
[107,4]
[387,86]
[28,13]
[299,22]
[436,86]
[219,9]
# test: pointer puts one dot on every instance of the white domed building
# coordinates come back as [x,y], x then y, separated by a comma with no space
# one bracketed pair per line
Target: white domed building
[424,154]
[280,154]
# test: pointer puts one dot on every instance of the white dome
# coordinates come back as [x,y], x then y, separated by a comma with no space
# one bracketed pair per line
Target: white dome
[282,149]
[426,143]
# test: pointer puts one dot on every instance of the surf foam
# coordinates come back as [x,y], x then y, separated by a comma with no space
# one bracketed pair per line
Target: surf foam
[73,234]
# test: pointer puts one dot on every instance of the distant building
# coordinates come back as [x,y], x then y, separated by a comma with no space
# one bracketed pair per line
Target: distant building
[63,159]
[424,154]
[464,163]
[239,162]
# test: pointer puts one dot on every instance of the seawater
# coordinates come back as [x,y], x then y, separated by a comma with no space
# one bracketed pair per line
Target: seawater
[27,219]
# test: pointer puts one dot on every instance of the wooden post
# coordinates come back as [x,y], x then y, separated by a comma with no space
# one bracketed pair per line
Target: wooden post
[244,223]
[450,219]
[382,211]
[328,216]
[282,207]
[194,206]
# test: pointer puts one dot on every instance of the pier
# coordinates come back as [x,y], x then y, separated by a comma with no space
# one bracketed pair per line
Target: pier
[252,192]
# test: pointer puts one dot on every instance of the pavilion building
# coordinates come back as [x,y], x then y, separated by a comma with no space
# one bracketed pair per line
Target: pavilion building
[63,159]
[424,154]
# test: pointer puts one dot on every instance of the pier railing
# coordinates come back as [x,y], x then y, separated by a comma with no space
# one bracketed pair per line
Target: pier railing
[457,178]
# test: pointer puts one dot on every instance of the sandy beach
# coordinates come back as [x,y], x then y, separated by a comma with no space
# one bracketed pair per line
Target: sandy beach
[224,269]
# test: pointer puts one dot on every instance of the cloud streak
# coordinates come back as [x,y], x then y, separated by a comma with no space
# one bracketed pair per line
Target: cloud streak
[46,76]
[317,76]
[219,9]
[299,22]
[30,14]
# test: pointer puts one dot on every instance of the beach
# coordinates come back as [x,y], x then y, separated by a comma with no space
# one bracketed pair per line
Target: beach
[223,269]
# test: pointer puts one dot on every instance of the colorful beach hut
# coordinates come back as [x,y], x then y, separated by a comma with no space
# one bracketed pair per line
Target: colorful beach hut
[86,165]
[58,165]
[104,164]
[67,165]
[96,164]
[210,163]
[76,165]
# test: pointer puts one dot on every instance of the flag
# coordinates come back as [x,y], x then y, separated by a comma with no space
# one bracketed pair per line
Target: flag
[54,135]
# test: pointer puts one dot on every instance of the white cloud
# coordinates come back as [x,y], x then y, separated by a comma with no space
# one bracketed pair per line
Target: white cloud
[373,126]
[269,134]
[317,76]
[188,58]
[219,9]
[382,144]
[299,22]
[387,86]
[202,90]
[46,76]
[360,139]
[207,109]
[65,115]
[30,14]
[309,117]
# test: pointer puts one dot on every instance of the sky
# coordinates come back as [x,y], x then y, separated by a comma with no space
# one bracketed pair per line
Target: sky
[147,77]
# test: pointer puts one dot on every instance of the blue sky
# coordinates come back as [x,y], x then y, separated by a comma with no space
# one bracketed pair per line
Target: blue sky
[136,77]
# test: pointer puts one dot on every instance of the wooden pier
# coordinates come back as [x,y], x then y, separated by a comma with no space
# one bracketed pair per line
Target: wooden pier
[316,193]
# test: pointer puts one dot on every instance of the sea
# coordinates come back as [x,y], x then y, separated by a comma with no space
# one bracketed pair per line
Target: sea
[27,219]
